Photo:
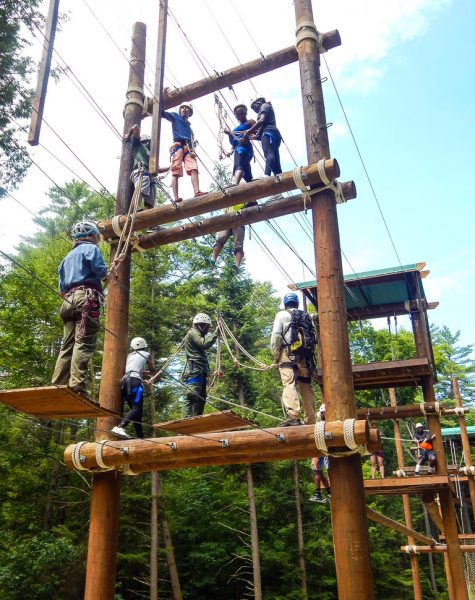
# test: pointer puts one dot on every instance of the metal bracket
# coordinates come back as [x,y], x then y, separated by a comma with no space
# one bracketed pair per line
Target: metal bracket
[82,459]
[125,450]
[280,437]
[328,435]
[224,443]
[172,445]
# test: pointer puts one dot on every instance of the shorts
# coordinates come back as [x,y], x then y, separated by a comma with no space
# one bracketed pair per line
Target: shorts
[322,463]
[179,155]
[380,454]
[238,235]
[242,162]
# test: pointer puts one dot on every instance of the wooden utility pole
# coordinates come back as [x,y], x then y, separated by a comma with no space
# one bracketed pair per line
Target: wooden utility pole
[158,90]
[454,557]
[350,525]
[104,516]
[43,74]
[416,580]
[465,442]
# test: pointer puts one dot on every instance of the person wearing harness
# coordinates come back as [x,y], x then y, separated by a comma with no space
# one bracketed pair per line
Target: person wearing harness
[265,130]
[140,146]
[196,370]
[423,440]
[182,151]
[80,275]
[243,154]
[319,463]
[131,387]
[295,363]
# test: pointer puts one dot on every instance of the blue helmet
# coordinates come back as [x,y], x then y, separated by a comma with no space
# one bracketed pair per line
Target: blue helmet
[291,297]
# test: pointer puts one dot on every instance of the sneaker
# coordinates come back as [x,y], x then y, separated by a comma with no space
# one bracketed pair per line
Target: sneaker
[277,197]
[318,498]
[290,423]
[417,474]
[120,431]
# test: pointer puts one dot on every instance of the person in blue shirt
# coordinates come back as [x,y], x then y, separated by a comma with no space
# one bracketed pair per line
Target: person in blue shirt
[243,151]
[182,151]
[265,130]
[80,276]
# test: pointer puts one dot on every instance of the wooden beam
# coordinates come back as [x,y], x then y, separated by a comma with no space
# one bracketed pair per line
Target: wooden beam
[38,103]
[254,214]
[245,192]
[438,549]
[392,524]
[171,450]
[407,411]
[467,456]
[253,68]
[407,485]
[158,90]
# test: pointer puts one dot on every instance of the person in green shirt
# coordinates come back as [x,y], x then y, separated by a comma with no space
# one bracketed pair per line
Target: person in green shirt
[195,374]
[140,146]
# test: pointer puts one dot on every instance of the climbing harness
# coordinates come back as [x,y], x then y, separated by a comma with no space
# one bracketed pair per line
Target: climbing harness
[334,186]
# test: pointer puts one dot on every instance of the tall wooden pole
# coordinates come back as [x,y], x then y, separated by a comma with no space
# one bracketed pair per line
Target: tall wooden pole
[454,557]
[104,517]
[158,89]
[300,539]
[350,525]
[465,442]
[416,580]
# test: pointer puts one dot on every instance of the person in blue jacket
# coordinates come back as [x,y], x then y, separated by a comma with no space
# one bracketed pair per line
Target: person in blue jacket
[243,151]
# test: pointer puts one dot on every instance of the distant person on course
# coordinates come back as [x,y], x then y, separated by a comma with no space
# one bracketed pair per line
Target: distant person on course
[141,152]
[80,275]
[319,463]
[423,439]
[182,151]
[131,387]
[196,371]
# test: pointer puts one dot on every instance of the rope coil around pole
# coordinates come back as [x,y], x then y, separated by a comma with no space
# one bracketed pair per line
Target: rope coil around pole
[115,224]
[411,549]
[348,436]
[467,470]
[459,411]
[400,473]
[308,31]
[423,408]
[320,440]
[334,186]
[98,452]
[76,456]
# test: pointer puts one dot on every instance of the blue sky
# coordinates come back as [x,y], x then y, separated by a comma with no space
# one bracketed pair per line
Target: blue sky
[405,76]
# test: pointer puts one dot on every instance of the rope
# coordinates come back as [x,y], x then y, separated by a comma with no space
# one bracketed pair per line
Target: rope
[225,331]
[400,473]
[100,462]
[467,470]
[320,440]
[348,436]
[307,31]
[411,550]
[423,408]
[334,186]
[125,235]
[165,364]
[76,456]
[459,411]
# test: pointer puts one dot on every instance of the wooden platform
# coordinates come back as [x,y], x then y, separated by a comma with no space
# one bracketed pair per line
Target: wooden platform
[451,469]
[222,421]
[406,485]
[396,373]
[53,402]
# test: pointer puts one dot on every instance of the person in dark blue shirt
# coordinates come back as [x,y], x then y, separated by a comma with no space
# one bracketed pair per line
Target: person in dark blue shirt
[80,276]
[182,151]
[265,130]
[243,151]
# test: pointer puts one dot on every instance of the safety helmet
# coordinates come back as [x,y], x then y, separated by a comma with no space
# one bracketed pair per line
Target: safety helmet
[201,319]
[322,408]
[188,105]
[145,139]
[291,297]
[240,105]
[256,100]
[84,229]
[138,343]
[419,425]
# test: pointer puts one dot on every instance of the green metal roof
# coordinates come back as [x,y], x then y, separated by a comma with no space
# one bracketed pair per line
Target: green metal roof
[377,288]
[455,431]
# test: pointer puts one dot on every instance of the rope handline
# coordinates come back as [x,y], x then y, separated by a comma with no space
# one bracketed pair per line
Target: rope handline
[225,332]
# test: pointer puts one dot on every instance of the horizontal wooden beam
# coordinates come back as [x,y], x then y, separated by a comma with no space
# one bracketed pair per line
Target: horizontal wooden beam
[404,411]
[250,445]
[408,485]
[253,68]
[392,524]
[246,216]
[438,549]
[234,195]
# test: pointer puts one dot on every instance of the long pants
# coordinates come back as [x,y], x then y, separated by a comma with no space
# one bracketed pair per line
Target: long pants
[295,378]
[134,398]
[272,156]
[76,350]
[195,398]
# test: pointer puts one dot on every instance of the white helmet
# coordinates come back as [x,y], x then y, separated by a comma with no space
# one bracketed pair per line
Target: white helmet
[188,105]
[257,99]
[419,425]
[201,318]
[145,139]
[322,408]
[84,229]
[240,105]
[138,343]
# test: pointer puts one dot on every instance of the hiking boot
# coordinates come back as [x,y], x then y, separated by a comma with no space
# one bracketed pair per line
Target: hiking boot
[120,432]
[290,423]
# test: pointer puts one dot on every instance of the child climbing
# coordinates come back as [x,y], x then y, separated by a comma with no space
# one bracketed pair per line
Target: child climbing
[141,152]
[182,151]
[423,439]
[196,370]
[131,387]
[265,130]
[80,275]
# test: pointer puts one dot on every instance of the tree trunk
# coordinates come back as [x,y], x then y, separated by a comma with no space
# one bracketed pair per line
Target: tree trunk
[167,538]
[301,545]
